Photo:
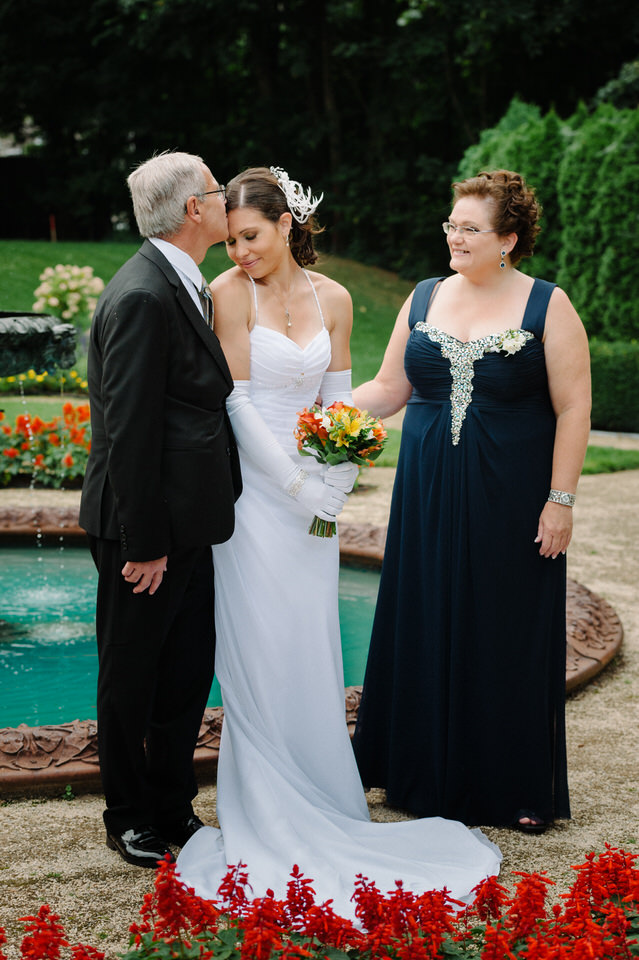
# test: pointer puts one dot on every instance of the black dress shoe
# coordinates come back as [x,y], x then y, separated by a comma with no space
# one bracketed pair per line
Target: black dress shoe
[141,846]
[179,831]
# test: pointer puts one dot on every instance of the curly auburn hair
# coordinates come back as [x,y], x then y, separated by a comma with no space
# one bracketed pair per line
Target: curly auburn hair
[258,188]
[516,208]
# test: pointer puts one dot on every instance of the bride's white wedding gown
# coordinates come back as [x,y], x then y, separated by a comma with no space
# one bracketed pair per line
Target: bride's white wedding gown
[288,789]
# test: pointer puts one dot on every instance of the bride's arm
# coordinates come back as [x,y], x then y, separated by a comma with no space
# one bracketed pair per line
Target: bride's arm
[232,319]
[338,309]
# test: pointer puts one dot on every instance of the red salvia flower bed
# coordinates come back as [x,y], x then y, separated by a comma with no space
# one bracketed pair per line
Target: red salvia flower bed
[597,920]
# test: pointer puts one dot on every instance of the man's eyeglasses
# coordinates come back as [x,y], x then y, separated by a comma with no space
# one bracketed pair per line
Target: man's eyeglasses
[449,227]
[221,189]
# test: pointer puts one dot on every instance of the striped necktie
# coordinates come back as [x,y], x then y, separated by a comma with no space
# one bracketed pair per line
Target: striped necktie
[206,300]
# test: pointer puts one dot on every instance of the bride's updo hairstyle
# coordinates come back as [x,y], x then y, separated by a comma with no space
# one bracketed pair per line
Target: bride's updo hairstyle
[260,189]
[516,209]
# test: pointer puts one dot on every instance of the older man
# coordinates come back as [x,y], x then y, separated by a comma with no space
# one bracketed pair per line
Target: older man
[159,489]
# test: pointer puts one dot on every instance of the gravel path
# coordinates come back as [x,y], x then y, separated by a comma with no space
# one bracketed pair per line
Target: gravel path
[53,851]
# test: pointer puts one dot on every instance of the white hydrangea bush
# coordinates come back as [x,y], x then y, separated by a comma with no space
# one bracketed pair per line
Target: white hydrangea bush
[68,291]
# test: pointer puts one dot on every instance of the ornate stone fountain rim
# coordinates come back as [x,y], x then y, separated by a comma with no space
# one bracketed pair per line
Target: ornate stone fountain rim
[40,760]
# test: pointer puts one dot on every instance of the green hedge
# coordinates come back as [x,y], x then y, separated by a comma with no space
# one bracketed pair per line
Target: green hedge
[615,385]
[597,188]
[531,144]
[585,171]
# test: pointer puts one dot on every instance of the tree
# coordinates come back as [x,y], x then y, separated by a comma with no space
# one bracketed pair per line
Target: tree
[371,101]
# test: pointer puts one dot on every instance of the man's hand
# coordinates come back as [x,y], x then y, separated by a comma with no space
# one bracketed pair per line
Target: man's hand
[146,574]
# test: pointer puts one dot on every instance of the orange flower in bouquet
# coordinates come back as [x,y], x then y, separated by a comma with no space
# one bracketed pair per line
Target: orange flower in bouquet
[335,434]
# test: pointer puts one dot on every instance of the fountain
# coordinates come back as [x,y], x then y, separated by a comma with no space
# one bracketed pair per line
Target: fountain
[34,341]
[41,760]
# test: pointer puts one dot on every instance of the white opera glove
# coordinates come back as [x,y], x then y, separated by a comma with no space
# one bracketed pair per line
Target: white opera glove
[257,443]
[336,385]
[342,475]
[320,498]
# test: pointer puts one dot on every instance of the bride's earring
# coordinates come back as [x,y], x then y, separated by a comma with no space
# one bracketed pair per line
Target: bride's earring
[502,262]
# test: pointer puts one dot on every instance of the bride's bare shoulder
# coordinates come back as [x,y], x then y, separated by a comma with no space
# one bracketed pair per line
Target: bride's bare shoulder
[330,291]
[231,280]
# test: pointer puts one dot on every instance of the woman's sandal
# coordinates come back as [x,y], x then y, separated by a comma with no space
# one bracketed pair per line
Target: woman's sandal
[535,824]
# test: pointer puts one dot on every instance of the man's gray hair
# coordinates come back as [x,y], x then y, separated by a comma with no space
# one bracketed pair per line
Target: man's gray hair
[160,188]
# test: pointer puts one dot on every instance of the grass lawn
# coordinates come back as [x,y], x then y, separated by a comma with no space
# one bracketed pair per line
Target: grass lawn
[45,407]
[377,294]
[598,459]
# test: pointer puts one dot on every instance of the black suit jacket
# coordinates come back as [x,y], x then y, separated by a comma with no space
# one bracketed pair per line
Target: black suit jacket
[163,471]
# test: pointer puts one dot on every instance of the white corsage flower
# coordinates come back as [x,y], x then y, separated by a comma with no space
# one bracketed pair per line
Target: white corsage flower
[511,341]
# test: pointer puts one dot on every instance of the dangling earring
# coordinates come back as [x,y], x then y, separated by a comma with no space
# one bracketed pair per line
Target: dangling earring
[287,243]
[502,262]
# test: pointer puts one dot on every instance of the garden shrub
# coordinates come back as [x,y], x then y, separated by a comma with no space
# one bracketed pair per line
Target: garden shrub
[615,299]
[615,381]
[597,192]
[531,144]
[585,171]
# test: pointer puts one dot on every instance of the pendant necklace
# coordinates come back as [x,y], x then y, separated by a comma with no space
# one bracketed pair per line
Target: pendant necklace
[284,303]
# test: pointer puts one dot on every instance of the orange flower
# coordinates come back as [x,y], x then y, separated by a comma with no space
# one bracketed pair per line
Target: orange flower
[309,423]
[83,412]
[23,422]
[67,460]
[39,460]
[54,439]
[6,430]
[11,452]
[37,425]
[25,445]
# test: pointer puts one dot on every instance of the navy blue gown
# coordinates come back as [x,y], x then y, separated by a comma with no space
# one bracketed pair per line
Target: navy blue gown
[462,713]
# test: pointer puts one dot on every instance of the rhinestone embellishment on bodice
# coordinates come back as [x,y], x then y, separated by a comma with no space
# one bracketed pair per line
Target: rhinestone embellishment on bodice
[462,355]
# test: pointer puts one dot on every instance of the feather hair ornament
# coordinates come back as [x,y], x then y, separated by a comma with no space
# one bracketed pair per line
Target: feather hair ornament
[300,202]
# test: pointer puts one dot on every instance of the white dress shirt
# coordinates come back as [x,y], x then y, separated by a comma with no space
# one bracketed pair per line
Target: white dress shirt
[185,267]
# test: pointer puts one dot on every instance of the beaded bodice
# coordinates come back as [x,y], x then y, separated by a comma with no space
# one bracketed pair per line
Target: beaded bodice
[462,356]
[505,369]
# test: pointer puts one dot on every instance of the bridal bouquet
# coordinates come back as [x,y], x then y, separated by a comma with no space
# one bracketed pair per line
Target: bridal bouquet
[334,434]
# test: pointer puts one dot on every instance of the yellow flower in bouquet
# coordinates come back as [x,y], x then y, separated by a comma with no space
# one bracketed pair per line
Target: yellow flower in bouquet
[334,434]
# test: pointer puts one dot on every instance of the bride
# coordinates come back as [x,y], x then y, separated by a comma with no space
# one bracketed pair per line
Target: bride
[288,790]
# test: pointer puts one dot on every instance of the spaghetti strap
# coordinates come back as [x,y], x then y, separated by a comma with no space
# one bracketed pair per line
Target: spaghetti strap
[254,285]
[312,286]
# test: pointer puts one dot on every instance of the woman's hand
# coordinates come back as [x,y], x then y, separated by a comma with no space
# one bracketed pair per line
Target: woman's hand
[341,475]
[555,530]
[321,499]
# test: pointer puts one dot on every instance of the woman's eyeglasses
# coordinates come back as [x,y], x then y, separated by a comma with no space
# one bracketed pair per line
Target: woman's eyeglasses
[449,227]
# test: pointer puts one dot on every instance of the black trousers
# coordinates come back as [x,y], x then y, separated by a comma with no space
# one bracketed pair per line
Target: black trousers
[156,662]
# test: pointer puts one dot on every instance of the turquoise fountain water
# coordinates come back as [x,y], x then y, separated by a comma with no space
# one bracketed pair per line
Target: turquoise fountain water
[48,660]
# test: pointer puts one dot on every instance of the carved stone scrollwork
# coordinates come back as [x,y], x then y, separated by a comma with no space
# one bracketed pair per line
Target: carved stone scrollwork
[40,748]
[44,759]
[593,634]
[35,341]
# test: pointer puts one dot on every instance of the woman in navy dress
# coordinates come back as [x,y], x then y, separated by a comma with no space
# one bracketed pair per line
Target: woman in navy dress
[462,713]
